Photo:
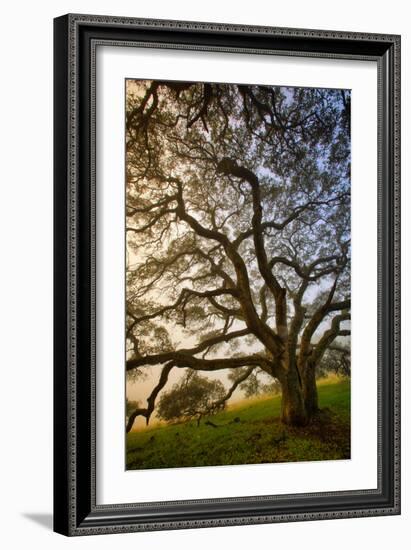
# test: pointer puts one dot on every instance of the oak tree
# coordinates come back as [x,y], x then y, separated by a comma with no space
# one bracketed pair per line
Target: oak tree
[238,233]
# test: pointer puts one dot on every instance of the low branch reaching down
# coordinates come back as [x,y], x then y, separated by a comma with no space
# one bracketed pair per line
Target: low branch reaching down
[148,411]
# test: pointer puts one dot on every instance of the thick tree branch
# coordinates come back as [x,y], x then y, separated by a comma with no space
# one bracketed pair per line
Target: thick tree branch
[186,359]
[228,166]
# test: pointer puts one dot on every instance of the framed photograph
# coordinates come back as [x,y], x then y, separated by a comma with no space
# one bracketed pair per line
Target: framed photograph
[227,278]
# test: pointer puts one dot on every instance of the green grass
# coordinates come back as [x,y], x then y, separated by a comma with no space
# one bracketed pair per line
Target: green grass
[258,437]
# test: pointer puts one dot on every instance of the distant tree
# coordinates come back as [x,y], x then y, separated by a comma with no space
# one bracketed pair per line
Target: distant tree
[255,384]
[238,232]
[337,360]
[131,406]
[194,396]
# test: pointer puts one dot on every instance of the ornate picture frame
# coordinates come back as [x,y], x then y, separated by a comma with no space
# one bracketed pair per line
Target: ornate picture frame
[76,510]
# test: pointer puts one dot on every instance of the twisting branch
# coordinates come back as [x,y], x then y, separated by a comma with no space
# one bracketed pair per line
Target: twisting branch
[208,95]
[148,411]
[228,166]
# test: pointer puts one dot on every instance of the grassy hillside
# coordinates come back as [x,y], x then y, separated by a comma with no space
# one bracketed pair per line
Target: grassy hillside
[249,433]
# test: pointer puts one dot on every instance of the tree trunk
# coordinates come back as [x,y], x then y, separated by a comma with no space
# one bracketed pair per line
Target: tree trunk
[310,393]
[299,395]
[293,409]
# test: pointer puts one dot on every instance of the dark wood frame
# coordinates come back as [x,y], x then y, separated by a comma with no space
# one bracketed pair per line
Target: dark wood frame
[75,41]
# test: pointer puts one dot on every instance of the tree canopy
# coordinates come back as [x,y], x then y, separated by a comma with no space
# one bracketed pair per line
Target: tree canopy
[238,232]
[194,396]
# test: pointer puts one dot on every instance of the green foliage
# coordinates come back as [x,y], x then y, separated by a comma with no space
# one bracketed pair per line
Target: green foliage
[251,434]
[193,397]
